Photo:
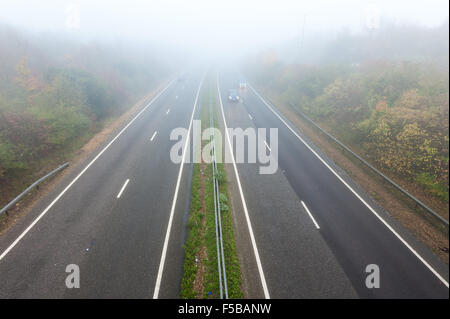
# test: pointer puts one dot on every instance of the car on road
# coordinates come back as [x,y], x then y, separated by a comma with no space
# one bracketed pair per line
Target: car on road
[242,85]
[233,95]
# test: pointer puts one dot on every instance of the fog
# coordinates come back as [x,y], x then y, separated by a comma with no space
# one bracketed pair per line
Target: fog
[215,29]
[73,74]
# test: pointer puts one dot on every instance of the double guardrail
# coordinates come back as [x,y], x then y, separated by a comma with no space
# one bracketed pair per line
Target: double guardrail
[217,212]
[31,187]
[427,209]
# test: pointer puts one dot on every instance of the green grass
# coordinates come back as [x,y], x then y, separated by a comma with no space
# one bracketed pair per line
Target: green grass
[194,240]
[438,189]
[234,280]
[231,261]
[211,280]
[202,230]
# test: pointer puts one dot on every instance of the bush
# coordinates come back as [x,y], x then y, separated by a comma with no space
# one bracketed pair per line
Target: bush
[395,113]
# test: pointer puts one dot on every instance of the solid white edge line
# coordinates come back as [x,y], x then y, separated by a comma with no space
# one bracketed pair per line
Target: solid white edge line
[123,188]
[153,136]
[251,118]
[15,242]
[172,210]
[310,215]
[357,195]
[250,229]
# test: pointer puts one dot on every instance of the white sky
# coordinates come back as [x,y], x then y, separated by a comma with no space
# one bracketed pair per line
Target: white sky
[214,25]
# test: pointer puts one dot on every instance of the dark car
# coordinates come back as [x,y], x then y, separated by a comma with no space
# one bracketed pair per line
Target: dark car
[233,95]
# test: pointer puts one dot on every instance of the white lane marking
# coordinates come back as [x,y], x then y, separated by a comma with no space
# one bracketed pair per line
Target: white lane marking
[357,195]
[153,136]
[168,110]
[251,118]
[267,146]
[310,215]
[175,196]
[79,175]
[123,188]
[249,224]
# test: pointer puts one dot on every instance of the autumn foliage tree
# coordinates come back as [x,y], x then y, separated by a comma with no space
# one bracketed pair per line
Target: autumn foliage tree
[52,98]
[395,114]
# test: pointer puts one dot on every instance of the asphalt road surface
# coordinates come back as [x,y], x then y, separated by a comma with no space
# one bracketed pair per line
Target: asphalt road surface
[307,231]
[114,232]
[322,250]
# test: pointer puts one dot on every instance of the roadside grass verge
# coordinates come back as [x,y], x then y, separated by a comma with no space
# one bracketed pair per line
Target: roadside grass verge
[79,148]
[425,228]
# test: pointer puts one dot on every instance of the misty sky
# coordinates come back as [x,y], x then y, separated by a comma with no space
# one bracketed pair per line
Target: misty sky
[228,25]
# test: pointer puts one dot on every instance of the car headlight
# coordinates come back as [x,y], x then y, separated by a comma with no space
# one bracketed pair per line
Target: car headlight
[230,97]
[237,97]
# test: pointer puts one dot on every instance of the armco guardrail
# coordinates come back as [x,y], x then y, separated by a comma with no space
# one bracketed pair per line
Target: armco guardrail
[390,181]
[217,215]
[36,183]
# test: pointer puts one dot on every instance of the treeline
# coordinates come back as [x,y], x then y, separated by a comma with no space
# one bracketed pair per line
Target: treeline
[389,42]
[394,113]
[55,93]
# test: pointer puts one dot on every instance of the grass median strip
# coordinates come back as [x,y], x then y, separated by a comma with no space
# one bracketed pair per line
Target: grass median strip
[201,277]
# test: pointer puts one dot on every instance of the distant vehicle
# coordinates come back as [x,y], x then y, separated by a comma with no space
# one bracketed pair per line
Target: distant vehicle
[242,85]
[233,95]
